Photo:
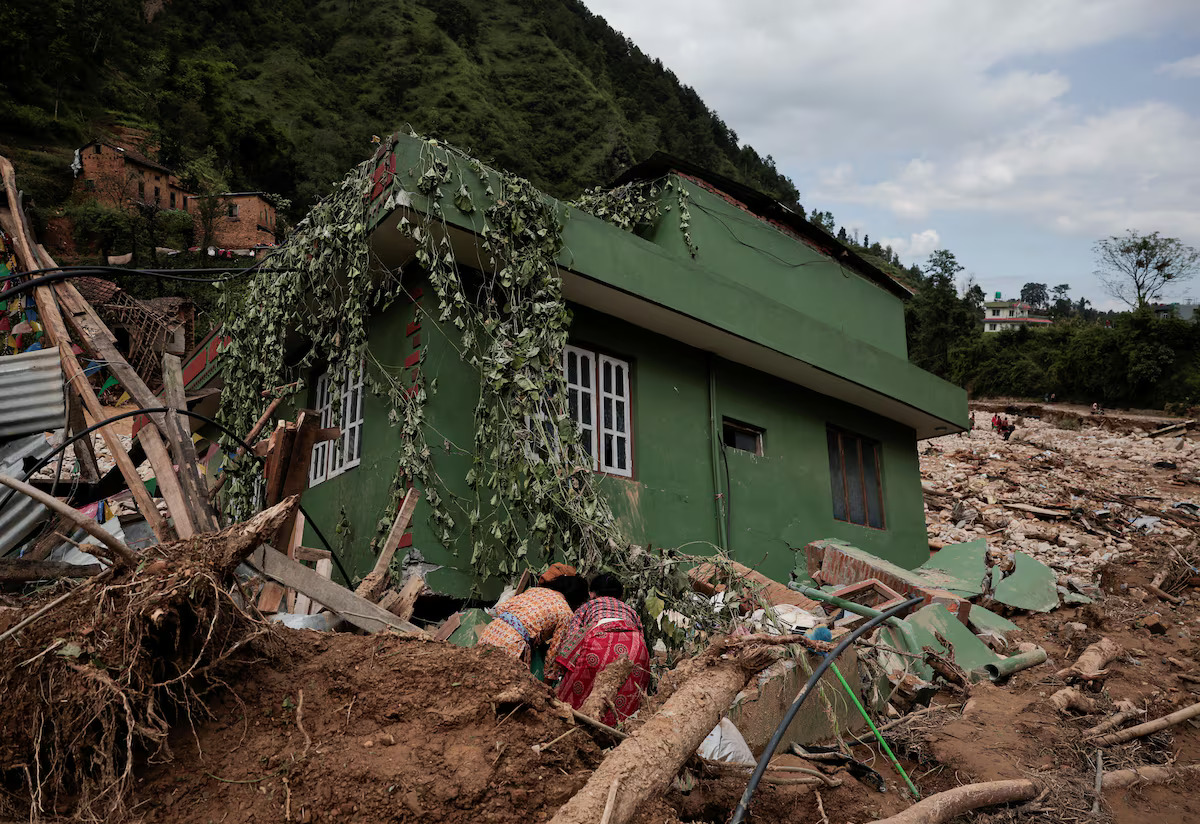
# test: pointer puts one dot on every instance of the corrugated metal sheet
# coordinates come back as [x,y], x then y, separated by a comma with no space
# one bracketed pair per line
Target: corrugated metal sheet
[20,514]
[31,393]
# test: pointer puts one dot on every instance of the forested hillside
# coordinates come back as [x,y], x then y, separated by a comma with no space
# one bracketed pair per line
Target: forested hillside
[284,95]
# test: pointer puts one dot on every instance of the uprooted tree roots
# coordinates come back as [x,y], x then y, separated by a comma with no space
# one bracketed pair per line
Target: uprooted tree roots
[95,682]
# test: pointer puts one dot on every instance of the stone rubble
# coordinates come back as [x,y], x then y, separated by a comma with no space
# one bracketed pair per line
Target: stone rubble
[1101,481]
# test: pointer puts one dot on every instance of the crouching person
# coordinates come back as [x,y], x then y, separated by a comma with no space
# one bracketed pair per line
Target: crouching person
[539,615]
[604,630]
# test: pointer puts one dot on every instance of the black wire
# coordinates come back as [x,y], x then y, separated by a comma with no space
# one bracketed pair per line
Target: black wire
[728,501]
[155,410]
[744,804]
[67,272]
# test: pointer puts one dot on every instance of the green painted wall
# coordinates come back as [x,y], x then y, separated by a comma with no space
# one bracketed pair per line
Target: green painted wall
[777,501]
[756,254]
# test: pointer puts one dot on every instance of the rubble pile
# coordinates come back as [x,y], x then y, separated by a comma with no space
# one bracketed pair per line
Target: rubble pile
[1073,499]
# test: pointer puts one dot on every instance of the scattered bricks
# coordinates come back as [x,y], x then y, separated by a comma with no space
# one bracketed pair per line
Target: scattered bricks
[871,593]
[832,562]
[1155,624]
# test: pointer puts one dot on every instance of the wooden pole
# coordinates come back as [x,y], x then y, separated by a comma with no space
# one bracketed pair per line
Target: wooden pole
[375,583]
[241,450]
[181,434]
[123,554]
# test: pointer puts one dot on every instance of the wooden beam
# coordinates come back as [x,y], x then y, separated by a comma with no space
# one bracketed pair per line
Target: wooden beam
[336,598]
[56,331]
[122,554]
[279,450]
[85,455]
[241,450]
[91,332]
[376,582]
[168,481]
[406,599]
[20,569]
[307,553]
[308,426]
[190,479]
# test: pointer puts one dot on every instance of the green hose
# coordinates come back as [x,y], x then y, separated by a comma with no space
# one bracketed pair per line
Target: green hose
[902,629]
[916,793]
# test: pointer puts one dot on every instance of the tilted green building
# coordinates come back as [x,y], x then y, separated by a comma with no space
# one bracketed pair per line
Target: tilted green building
[739,380]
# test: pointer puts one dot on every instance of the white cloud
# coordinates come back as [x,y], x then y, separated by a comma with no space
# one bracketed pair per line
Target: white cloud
[1187,67]
[917,246]
[930,106]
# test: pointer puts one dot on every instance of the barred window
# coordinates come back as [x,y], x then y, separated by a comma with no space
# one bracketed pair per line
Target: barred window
[332,458]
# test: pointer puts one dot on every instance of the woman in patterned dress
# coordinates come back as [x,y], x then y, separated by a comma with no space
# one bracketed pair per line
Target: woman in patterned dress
[604,630]
[537,616]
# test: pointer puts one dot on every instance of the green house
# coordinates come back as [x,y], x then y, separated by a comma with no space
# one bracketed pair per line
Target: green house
[737,378]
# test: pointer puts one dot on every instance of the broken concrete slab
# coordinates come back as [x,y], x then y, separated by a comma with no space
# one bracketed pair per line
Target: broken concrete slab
[969,652]
[838,563]
[1031,585]
[984,620]
[958,568]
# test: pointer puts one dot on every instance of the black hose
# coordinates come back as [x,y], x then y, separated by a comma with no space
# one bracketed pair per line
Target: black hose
[744,805]
[155,410]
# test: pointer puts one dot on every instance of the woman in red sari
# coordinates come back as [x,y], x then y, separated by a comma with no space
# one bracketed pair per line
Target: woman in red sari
[604,630]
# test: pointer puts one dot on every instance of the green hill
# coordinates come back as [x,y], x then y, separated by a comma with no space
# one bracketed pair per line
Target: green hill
[285,95]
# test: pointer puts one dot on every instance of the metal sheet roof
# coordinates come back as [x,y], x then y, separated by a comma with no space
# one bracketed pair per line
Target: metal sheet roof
[20,514]
[31,393]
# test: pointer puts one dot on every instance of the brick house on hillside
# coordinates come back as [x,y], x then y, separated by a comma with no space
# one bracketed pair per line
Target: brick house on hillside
[242,220]
[122,176]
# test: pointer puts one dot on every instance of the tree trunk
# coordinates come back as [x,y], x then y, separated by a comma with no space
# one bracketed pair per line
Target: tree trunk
[1091,664]
[605,688]
[645,763]
[949,805]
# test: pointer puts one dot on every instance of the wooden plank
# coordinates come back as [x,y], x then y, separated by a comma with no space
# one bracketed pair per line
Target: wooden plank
[20,569]
[358,611]
[271,597]
[448,626]
[325,570]
[241,450]
[307,553]
[56,331]
[1037,510]
[375,583]
[168,481]
[278,452]
[412,589]
[90,331]
[1171,428]
[190,479]
[85,455]
[308,425]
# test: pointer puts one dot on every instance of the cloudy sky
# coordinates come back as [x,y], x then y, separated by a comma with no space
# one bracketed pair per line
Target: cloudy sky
[1013,132]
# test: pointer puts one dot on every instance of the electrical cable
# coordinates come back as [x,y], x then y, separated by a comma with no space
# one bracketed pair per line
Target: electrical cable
[744,804]
[155,410]
[728,501]
[67,272]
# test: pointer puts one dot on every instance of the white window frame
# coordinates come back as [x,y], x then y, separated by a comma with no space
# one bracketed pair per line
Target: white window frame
[332,458]
[621,426]
[587,431]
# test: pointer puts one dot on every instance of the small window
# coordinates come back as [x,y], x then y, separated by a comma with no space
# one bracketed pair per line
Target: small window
[142,189]
[232,210]
[856,478]
[96,149]
[995,313]
[992,327]
[332,458]
[157,195]
[172,200]
[742,436]
[89,185]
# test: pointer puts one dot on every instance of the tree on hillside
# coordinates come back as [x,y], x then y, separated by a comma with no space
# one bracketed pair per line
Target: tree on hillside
[1062,306]
[1135,268]
[824,220]
[1035,295]
[937,319]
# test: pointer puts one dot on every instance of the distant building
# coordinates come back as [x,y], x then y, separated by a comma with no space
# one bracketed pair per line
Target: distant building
[1000,314]
[122,176]
[243,220]
[1183,311]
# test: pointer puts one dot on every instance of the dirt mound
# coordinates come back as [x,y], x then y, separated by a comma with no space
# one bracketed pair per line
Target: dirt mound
[345,728]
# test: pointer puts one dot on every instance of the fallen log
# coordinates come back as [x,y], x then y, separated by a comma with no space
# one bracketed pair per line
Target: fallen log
[606,686]
[19,569]
[1120,779]
[1090,666]
[1070,698]
[948,805]
[1155,587]
[647,761]
[1149,728]
[1126,711]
